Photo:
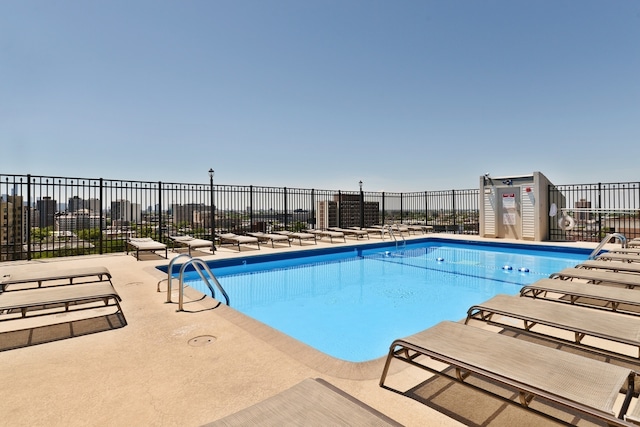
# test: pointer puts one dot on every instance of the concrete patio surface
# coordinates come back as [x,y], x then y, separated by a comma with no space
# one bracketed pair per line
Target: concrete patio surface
[169,368]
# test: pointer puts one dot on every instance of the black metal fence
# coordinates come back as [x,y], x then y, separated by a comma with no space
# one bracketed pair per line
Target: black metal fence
[588,212]
[47,216]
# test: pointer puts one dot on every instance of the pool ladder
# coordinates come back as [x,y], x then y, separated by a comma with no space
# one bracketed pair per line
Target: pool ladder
[203,271]
[618,236]
[393,236]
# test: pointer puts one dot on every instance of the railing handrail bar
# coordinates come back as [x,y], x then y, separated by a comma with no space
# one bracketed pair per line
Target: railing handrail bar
[619,236]
[170,275]
[197,264]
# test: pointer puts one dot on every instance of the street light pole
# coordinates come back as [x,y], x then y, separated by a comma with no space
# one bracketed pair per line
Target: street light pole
[212,220]
[361,206]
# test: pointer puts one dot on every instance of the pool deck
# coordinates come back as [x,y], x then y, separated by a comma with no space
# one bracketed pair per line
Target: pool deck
[169,368]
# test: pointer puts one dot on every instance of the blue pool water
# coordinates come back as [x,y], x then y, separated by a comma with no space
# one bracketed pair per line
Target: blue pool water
[353,302]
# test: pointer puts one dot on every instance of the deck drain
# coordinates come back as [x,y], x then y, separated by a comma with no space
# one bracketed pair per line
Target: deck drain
[202,340]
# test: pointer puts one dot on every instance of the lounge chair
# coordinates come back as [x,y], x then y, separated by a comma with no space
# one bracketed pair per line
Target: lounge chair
[312,402]
[615,299]
[192,242]
[615,266]
[598,276]
[30,303]
[578,383]
[327,233]
[298,235]
[145,244]
[635,250]
[377,231]
[271,237]
[580,321]
[610,256]
[424,229]
[351,232]
[40,274]
[237,240]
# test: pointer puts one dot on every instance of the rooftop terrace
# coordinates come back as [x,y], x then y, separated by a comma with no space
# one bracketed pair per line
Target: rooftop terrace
[189,368]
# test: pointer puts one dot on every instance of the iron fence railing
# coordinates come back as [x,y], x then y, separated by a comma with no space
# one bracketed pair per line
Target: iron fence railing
[588,212]
[49,216]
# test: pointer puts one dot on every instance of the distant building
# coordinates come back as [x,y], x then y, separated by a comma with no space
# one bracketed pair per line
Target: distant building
[125,212]
[345,210]
[12,228]
[82,220]
[46,212]
[187,213]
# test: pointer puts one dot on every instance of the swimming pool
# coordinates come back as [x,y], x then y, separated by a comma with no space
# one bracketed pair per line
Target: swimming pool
[352,302]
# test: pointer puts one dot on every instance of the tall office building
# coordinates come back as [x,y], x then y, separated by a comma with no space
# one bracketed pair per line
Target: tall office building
[345,210]
[46,212]
[123,211]
[12,228]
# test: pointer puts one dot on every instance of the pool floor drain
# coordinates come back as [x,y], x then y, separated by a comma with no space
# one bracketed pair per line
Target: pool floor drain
[202,340]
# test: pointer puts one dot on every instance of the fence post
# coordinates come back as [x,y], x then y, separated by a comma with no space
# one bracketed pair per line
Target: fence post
[339,210]
[426,209]
[453,209]
[361,207]
[286,210]
[160,222]
[383,211]
[313,208]
[29,217]
[102,218]
[250,207]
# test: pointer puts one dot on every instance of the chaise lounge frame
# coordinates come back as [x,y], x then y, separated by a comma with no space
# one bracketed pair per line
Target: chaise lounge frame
[192,243]
[237,240]
[146,244]
[614,299]
[578,383]
[597,277]
[40,276]
[299,236]
[47,301]
[311,402]
[580,321]
[615,266]
[271,238]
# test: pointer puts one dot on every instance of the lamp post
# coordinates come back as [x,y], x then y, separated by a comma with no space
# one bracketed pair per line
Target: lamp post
[361,206]
[212,213]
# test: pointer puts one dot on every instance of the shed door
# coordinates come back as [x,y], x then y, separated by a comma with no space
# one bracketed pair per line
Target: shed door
[509,217]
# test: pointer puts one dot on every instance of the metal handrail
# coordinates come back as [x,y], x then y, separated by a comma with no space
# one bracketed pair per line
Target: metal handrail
[169,275]
[619,236]
[197,264]
[392,234]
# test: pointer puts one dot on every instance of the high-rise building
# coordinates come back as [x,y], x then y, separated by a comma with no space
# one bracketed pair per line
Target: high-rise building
[345,210]
[12,228]
[46,212]
[123,211]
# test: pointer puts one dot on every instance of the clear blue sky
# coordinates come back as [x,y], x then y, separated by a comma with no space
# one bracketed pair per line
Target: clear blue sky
[403,95]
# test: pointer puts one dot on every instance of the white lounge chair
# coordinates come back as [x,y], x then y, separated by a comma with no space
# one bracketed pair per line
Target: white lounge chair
[145,244]
[192,242]
[327,233]
[357,233]
[271,238]
[237,240]
[293,235]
